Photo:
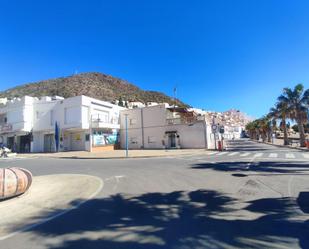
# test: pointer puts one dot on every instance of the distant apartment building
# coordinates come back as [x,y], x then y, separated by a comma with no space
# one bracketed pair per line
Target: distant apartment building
[29,124]
[164,127]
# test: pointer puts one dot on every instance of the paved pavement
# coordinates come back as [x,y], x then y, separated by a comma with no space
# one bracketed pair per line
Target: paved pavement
[232,199]
[114,154]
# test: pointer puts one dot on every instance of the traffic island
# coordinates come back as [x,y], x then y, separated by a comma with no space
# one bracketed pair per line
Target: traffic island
[49,197]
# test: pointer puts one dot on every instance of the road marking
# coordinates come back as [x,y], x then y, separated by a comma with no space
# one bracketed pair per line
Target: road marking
[55,215]
[233,153]
[258,154]
[245,154]
[222,153]
[273,155]
[289,155]
[306,155]
[213,153]
[290,186]
[16,158]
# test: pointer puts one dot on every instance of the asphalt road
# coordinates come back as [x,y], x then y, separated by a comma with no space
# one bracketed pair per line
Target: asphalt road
[251,196]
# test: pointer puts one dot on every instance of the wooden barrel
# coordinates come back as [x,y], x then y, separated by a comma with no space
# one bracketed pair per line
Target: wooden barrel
[14,181]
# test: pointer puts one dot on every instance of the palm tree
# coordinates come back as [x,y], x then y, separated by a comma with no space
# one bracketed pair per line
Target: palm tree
[264,125]
[281,111]
[297,101]
[253,129]
[250,128]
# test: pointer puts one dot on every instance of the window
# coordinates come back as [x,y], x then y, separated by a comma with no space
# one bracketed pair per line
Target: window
[132,121]
[133,140]
[151,139]
[100,116]
[72,115]
[51,117]
[3,119]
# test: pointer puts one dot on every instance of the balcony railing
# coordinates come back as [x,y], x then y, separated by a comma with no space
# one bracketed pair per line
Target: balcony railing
[182,120]
[6,127]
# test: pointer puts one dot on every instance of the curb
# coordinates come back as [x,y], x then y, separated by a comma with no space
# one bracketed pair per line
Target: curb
[123,157]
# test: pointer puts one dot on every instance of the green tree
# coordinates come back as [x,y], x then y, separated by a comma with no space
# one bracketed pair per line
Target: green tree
[297,101]
[120,101]
[281,112]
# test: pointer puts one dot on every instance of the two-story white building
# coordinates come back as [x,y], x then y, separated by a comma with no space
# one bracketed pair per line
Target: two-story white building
[164,127]
[16,123]
[83,123]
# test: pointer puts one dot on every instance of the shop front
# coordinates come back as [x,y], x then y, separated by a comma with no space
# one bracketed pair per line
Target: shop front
[104,139]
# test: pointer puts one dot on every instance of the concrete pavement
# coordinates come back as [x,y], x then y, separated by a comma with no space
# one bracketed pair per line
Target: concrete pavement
[115,154]
[186,201]
[46,196]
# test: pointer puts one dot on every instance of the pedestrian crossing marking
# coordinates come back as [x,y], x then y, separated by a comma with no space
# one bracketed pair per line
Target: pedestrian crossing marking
[306,155]
[258,155]
[213,153]
[273,155]
[289,155]
[245,154]
[223,153]
[233,153]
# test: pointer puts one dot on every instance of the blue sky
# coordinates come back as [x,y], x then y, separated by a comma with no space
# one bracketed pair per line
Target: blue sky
[220,54]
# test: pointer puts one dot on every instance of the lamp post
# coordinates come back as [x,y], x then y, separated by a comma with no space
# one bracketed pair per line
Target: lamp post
[127,142]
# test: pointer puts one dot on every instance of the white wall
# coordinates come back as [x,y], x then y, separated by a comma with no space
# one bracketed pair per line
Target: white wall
[19,113]
[153,120]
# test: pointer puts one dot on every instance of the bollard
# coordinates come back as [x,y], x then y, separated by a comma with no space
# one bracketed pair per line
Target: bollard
[219,146]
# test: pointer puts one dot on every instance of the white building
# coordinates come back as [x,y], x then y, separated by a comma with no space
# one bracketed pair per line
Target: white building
[160,127]
[16,122]
[29,124]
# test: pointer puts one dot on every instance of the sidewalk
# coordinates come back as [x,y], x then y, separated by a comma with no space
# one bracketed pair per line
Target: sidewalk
[279,143]
[118,154]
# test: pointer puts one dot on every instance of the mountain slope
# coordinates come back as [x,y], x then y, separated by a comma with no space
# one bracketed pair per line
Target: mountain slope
[96,85]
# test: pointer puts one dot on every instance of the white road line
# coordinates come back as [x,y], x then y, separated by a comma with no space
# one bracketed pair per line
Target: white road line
[245,154]
[213,153]
[222,153]
[15,158]
[55,215]
[233,153]
[306,155]
[258,154]
[289,155]
[198,158]
[273,155]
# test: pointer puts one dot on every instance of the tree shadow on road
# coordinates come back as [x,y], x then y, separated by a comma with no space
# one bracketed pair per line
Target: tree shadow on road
[266,166]
[196,219]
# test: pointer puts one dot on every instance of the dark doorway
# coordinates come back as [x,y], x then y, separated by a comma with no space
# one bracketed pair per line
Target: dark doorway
[10,143]
[172,140]
[25,143]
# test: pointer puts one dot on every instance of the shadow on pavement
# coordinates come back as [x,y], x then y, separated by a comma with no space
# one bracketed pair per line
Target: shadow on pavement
[303,201]
[266,167]
[178,219]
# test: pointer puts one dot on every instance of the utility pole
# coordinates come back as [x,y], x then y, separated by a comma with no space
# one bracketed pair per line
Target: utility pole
[90,135]
[127,142]
[214,131]
[175,96]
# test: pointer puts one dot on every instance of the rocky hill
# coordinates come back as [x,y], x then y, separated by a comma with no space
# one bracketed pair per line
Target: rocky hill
[96,85]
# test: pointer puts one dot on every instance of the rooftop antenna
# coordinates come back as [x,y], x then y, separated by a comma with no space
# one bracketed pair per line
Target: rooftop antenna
[175,95]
